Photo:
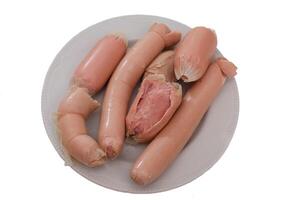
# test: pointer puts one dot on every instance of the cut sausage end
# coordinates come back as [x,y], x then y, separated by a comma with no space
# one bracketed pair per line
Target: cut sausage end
[111,146]
[85,149]
[122,37]
[98,158]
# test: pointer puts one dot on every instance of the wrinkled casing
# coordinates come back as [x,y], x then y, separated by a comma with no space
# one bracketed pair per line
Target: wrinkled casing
[194,53]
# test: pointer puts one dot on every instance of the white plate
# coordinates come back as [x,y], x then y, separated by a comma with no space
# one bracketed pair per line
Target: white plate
[209,142]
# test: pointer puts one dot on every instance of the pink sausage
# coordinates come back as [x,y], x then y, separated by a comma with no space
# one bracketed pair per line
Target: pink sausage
[89,77]
[96,68]
[129,71]
[194,54]
[163,150]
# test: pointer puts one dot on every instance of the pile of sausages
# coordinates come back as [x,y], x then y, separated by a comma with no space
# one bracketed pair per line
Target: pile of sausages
[159,115]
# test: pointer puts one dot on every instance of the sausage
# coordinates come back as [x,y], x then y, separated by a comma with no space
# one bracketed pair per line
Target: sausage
[157,100]
[88,78]
[166,146]
[98,65]
[112,124]
[194,54]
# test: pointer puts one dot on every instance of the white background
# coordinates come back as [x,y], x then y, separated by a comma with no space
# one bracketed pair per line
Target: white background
[260,37]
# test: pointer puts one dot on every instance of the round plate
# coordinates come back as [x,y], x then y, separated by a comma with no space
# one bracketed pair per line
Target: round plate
[207,145]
